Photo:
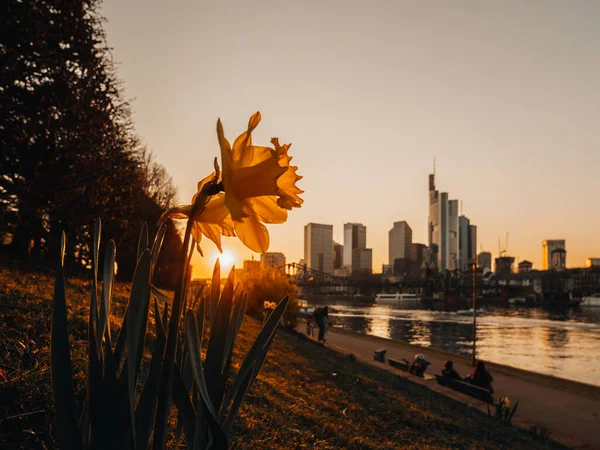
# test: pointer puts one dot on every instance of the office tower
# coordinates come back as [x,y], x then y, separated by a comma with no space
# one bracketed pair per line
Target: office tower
[318,247]
[467,243]
[400,240]
[356,255]
[338,255]
[548,246]
[443,227]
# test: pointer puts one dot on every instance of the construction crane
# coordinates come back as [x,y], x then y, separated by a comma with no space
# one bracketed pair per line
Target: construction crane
[502,251]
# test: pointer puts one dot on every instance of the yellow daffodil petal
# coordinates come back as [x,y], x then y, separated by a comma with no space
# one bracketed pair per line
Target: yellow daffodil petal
[226,159]
[266,209]
[215,210]
[213,232]
[234,204]
[197,234]
[177,212]
[258,180]
[228,226]
[243,151]
[253,234]
[201,185]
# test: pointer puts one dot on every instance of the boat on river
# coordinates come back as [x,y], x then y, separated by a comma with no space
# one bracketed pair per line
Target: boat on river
[397,298]
[591,300]
[517,301]
[469,312]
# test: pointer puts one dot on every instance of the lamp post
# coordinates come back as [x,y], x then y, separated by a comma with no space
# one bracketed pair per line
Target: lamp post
[474,312]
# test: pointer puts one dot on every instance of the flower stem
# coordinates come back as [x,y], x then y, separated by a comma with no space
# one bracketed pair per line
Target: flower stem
[168,371]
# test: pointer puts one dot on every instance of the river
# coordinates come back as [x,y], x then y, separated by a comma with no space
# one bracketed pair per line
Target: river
[562,343]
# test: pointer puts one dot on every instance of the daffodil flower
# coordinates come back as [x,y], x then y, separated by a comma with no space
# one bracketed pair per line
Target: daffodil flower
[260,187]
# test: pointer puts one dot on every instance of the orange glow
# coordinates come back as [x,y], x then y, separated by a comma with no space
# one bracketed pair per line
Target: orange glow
[227,259]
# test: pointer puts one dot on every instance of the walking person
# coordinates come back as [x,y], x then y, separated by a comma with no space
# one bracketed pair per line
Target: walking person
[320,314]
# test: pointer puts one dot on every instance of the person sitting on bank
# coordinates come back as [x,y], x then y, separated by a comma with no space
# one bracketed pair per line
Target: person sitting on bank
[449,371]
[480,377]
[419,365]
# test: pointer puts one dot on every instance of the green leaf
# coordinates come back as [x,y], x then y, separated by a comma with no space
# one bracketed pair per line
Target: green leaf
[108,280]
[182,401]
[193,341]
[142,241]
[137,317]
[216,352]
[215,289]
[245,386]
[156,246]
[146,407]
[67,430]
[255,353]
[157,293]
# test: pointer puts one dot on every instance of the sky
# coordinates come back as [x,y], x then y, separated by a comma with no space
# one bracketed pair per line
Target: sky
[505,96]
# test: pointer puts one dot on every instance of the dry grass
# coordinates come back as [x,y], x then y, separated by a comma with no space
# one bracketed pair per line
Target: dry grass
[305,397]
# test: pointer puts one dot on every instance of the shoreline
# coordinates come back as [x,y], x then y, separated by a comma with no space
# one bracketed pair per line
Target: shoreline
[568,409]
[552,381]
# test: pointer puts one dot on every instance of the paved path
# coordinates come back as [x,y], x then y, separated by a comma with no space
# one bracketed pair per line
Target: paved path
[570,410]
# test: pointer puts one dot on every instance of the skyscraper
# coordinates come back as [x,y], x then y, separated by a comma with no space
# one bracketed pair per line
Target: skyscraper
[356,254]
[443,227]
[318,247]
[338,255]
[548,246]
[472,242]
[467,243]
[400,240]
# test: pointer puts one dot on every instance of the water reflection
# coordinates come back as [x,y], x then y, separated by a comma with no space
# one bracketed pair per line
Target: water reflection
[561,343]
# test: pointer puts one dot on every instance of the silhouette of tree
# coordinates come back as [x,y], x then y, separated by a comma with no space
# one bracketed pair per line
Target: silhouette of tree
[68,150]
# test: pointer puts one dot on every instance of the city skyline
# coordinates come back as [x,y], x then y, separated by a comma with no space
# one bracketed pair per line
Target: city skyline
[504,95]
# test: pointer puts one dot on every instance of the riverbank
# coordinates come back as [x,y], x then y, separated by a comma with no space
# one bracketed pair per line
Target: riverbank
[306,396]
[571,410]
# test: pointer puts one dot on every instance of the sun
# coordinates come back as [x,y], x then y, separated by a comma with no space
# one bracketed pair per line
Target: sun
[227,259]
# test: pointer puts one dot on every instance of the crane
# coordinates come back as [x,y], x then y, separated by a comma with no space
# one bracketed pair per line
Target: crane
[502,251]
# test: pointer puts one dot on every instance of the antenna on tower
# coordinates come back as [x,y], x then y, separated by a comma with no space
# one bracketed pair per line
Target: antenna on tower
[434,165]
[461,208]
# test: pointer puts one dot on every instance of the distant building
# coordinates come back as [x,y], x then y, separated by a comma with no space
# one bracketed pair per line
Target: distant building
[387,269]
[273,259]
[443,227]
[342,272]
[418,256]
[547,247]
[467,243]
[400,240]
[338,255]
[251,265]
[592,262]
[484,259]
[525,266]
[472,243]
[318,247]
[504,265]
[362,260]
[356,255]
[558,259]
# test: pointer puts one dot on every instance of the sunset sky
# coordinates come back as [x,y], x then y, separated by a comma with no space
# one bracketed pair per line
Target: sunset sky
[505,95]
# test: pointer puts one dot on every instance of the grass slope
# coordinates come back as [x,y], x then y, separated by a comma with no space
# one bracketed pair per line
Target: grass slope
[306,396]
